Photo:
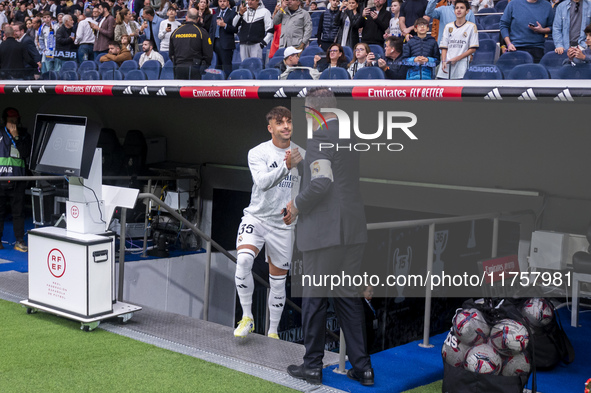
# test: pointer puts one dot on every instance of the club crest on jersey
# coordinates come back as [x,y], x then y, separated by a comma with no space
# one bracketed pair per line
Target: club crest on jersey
[465,34]
[450,30]
[240,239]
[315,168]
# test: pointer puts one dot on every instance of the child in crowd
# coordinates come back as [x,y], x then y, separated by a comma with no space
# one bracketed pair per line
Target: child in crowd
[362,57]
[394,28]
[421,52]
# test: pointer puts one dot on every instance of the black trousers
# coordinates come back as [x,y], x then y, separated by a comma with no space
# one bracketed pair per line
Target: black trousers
[334,260]
[15,198]
[187,71]
[536,53]
[224,58]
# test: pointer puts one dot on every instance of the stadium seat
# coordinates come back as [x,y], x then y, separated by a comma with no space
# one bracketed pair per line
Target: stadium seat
[510,59]
[549,46]
[241,73]
[377,50]
[111,75]
[299,74]
[485,54]
[165,56]
[581,71]
[501,5]
[369,73]
[90,75]
[211,75]
[487,11]
[50,76]
[348,52]
[87,65]
[69,76]
[137,56]
[108,66]
[152,69]
[269,74]
[214,61]
[553,62]
[236,58]
[135,75]
[127,66]
[97,59]
[307,61]
[528,71]
[273,61]
[254,64]
[313,42]
[311,51]
[167,72]
[335,73]
[490,22]
[483,72]
[486,36]
[69,66]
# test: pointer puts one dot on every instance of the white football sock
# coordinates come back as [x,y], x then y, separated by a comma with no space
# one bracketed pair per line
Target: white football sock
[276,301]
[244,281]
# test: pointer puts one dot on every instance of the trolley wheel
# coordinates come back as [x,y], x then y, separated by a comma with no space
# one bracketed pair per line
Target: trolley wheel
[90,326]
[31,310]
[124,318]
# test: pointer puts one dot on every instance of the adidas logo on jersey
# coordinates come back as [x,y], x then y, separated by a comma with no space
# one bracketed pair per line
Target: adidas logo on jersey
[278,305]
[241,286]
[273,165]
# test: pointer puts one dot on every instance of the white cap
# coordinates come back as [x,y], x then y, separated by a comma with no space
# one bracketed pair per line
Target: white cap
[290,51]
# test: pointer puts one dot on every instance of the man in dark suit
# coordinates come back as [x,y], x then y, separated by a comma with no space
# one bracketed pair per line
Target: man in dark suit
[29,43]
[13,56]
[331,233]
[222,35]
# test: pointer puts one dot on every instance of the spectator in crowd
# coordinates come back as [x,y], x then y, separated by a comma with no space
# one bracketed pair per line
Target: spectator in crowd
[65,48]
[296,25]
[445,14]
[3,17]
[116,54]
[13,56]
[34,27]
[167,27]
[362,57]
[576,54]
[29,43]
[190,48]
[15,149]
[458,42]
[524,25]
[146,4]
[334,57]
[150,54]
[222,35]
[392,64]
[85,37]
[421,50]
[375,22]
[291,58]
[31,11]
[104,30]
[19,15]
[349,21]
[394,26]
[328,29]
[124,25]
[204,13]
[255,28]
[164,7]
[478,5]
[410,11]
[570,20]
[46,42]
[126,43]
[151,27]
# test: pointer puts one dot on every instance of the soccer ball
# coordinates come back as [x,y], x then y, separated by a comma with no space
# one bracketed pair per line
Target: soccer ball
[470,327]
[454,351]
[537,311]
[509,337]
[517,364]
[483,359]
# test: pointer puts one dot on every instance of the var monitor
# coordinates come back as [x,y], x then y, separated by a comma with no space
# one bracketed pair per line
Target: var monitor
[63,145]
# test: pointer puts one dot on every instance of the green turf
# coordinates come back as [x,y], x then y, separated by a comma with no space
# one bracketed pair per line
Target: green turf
[434,387]
[45,353]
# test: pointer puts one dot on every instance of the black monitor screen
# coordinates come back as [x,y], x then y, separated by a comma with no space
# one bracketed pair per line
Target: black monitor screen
[63,145]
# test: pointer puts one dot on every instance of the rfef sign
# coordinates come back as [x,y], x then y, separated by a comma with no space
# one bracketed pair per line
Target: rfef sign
[56,263]
[75,212]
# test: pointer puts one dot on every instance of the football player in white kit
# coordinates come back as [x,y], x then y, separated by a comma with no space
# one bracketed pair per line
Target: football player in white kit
[273,166]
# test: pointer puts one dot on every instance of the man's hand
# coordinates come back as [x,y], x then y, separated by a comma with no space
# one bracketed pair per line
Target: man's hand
[12,128]
[242,9]
[290,213]
[382,63]
[537,28]
[292,158]
[559,50]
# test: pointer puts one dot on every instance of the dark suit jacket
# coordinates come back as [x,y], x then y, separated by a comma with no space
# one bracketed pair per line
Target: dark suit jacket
[14,56]
[331,212]
[226,38]
[29,43]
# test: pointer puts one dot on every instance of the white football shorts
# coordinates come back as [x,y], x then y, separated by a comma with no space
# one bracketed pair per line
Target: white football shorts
[278,242]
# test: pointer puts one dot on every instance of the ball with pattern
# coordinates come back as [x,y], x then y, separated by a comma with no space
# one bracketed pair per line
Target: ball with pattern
[537,311]
[470,327]
[517,364]
[483,359]
[509,336]
[454,351]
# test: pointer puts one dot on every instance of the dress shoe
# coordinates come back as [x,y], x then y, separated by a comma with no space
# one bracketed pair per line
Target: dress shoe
[310,375]
[365,377]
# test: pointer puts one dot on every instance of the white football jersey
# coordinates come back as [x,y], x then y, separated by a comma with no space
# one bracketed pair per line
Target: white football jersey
[457,40]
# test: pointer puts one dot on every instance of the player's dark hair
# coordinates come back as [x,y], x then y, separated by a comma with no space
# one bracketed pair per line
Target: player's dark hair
[278,113]
[465,2]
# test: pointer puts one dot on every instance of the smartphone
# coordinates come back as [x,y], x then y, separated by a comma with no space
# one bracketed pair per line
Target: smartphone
[168,25]
[531,25]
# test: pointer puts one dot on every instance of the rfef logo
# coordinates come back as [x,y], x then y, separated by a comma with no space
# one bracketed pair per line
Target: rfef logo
[56,263]
[394,123]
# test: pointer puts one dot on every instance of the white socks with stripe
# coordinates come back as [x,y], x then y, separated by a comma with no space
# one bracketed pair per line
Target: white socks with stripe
[244,281]
[276,301]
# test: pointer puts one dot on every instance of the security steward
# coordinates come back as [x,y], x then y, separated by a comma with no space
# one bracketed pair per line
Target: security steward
[190,48]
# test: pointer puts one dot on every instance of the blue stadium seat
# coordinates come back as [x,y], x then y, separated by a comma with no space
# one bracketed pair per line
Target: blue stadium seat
[211,75]
[553,62]
[490,22]
[69,76]
[135,75]
[487,11]
[269,74]
[87,65]
[581,71]
[549,46]
[273,61]
[90,75]
[127,66]
[483,72]
[214,61]
[165,56]
[152,69]
[111,75]
[487,36]
[69,66]
[313,42]
[236,58]
[369,73]
[241,73]
[254,64]
[335,73]
[108,66]
[311,51]
[137,56]
[501,5]
[528,71]
[167,72]
[510,59]
[485,54]
[307,61]
[377,50]
[50,76]
[299,74]
[348,52]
